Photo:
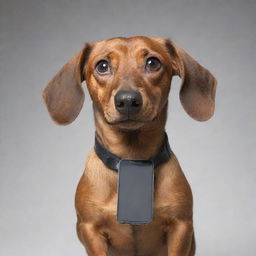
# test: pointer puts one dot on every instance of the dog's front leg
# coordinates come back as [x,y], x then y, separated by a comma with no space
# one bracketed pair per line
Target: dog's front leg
[94,242]
[180,239]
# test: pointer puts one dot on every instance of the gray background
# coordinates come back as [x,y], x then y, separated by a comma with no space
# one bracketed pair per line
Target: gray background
[41,162]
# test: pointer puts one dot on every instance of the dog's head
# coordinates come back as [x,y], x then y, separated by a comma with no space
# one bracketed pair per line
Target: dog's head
[129,81]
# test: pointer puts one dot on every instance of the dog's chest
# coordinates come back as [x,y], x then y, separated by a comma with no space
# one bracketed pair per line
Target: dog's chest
[125,239]
[132,240]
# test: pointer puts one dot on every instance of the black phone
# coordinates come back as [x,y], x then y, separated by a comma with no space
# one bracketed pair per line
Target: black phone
[135,191]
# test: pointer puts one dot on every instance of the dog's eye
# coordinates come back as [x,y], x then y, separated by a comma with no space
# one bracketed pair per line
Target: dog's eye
[103,67]
[153,64]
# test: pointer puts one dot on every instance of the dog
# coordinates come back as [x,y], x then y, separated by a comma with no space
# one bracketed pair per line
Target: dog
[129,80]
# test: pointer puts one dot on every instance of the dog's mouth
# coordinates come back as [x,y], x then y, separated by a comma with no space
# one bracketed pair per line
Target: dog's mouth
[125,121]
[129,122]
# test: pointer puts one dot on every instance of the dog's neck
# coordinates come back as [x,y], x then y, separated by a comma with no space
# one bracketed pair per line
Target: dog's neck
[139,144]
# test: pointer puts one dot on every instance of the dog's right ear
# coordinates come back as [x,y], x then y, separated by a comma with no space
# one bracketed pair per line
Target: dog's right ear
[64,95]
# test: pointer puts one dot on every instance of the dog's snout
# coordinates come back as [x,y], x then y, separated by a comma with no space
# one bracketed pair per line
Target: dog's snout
[128,102]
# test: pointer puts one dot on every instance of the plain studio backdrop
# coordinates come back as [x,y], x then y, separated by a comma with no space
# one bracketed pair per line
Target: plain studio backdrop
[41,163]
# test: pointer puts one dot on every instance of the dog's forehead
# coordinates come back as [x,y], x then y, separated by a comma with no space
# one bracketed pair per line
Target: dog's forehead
[129,44]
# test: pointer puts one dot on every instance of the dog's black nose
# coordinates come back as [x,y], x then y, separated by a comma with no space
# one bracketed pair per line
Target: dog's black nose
[128,102]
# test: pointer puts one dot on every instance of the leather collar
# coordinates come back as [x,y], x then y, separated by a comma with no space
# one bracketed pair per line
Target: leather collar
[112,161]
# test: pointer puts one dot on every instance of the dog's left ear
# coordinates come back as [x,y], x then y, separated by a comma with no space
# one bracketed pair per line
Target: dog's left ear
[64,95]
[197,92]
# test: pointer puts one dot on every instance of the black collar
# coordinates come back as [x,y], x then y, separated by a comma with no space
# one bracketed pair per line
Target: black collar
[111,160]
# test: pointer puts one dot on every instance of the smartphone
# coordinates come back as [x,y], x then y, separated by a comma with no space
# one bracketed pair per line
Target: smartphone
[135,191]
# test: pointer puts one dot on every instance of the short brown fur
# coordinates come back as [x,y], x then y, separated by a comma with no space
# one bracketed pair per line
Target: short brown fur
[171,231]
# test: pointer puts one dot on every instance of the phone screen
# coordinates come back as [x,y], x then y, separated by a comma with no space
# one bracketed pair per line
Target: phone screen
[135,191]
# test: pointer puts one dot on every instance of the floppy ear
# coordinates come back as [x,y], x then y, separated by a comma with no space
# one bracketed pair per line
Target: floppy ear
[64,95]
[198,87]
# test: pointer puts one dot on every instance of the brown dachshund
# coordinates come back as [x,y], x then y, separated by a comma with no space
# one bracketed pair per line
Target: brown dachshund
[141,70]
